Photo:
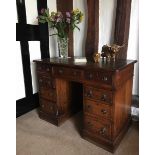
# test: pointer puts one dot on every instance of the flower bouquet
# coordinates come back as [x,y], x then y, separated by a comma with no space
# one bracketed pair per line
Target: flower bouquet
[61,24]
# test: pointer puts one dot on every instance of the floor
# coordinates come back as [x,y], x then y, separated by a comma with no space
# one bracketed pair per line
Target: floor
[38,137]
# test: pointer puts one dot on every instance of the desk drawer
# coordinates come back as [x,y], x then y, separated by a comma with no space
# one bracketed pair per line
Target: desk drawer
[49,94]
[98,109]
[47,106]
[45,82]
[98,94]
[70,73]
[98,76]
[44,69]
[101,128]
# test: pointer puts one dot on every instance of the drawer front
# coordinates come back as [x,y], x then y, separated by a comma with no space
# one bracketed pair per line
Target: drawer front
[45,82]
[75,74]
[47,106]
[98,76]
[97,109]
[44,69]
[98,127]
[49,94]
[105,78]
[71,73]
[98,94]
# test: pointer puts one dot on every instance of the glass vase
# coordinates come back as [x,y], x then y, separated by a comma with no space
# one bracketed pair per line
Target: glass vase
[63,47]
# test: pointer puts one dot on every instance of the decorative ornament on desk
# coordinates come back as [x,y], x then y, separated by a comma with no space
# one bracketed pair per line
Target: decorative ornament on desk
[110,51]
[96,57]
[61,23]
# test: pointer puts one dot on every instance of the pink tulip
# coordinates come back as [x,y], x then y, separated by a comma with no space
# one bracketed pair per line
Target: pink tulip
[68,20]
[68,14]
[59,19]
[42,11]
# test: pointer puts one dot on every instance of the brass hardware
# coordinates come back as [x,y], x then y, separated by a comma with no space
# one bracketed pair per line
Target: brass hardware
[104,78]
[90,76]
[47,69]
[89,124]
[103,131]
[103,111]
[88,107]
[89,93]
[60,71]
[103,98]
[57,112]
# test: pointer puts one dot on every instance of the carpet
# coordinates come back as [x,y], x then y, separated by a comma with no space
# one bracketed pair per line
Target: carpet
[38,137]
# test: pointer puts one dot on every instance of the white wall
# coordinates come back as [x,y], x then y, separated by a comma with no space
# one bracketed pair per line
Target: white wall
[80,36]
[20,88]
[107,12]
[31,11]
[133,47]
[52,39]
[34,49]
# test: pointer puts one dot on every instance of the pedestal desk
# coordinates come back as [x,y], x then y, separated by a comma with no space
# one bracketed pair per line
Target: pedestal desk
[103,90]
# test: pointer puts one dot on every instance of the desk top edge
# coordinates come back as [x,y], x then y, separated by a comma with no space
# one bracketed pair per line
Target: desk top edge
[71,62]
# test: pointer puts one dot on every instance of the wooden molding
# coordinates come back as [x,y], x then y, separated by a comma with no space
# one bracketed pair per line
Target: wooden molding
[93,28]
[64,6]
[122,25]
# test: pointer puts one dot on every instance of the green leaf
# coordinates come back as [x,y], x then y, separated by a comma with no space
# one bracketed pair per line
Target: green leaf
[54,34]
[42,17]
[47,12]
[77,27]
[42,21]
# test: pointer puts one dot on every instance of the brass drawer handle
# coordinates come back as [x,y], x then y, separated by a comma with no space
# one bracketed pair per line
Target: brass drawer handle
[103,131]
[42,106]
[88,106]
[103,98]
[60,71]
[89,124]
[90,76]
[104,78]
[89,93]
[103,111]
[47,69]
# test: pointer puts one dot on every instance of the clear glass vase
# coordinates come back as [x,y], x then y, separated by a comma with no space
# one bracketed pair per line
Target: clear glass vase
[63,47]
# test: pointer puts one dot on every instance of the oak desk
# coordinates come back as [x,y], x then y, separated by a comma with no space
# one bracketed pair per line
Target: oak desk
[103,90]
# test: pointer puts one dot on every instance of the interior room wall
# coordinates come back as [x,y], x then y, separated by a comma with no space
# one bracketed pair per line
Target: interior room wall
[20,88]
[133,46]
[107,11]
[107,15]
